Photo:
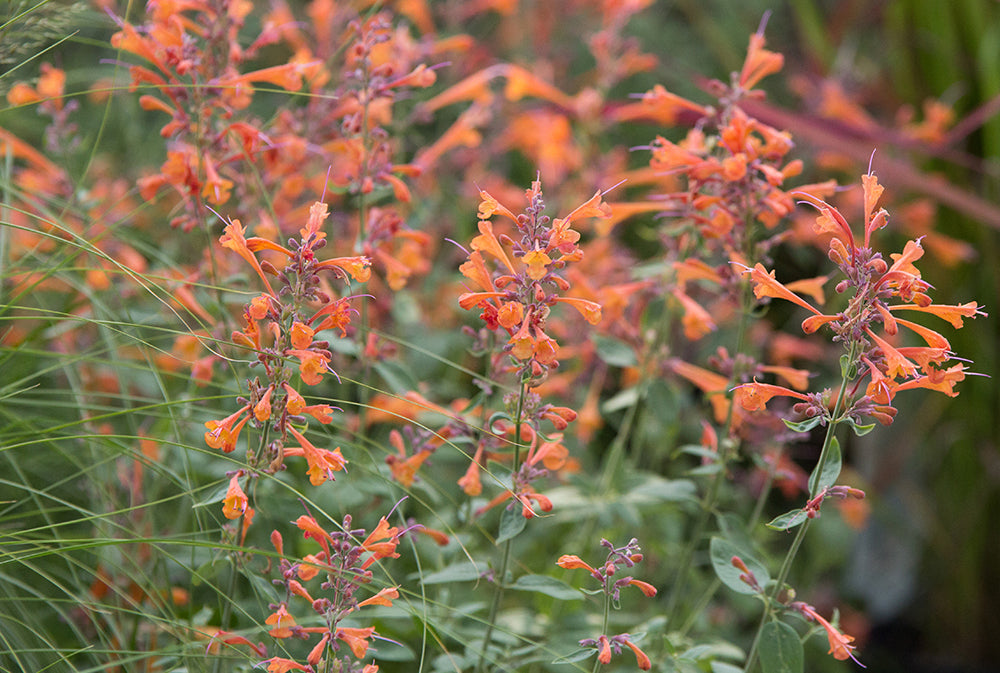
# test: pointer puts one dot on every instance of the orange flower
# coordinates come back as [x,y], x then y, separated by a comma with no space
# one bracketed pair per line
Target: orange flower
[235,502]
[310,528]
[301,335]
[316,653]
[754,396]
[765,285]
[640,657]
[262,410]
[223,434]
[840,646]
[281,622]
[381,549]
[357,267]
[294,402]
[536,261]
[645,587]
[590,310]
[356,639]
[383,597]
[312,365]
[604,649]
[487,241]
[759,62]
[470,482]
[475,270]
[952,314]
[572,561]
[405,470]
[282,665]
[697,321]
[322,463]
[233,239]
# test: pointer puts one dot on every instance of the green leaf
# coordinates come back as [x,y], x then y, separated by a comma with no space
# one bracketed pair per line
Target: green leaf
[722,552]
[578,655]
[614,352]
[512,522]
[859,430]
[622,400]
[788,520]
[831,470]
[465,571]
[396,376]
[780,649]
[803,426]
[549,586]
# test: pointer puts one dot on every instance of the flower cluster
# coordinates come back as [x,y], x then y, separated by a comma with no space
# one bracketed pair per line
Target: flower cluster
[281,327]
[840,643]
[529,282]
[618,557]
[878,291]
[343,564]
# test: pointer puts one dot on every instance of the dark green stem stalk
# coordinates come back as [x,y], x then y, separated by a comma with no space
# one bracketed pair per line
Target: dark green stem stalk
[501,577]
[800,534]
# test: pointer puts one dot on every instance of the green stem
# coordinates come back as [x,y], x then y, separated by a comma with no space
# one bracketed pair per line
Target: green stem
[800,534]
[711,497]
[501,578]
[607,613]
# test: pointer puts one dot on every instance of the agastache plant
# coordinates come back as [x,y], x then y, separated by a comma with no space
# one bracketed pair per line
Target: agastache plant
[873,370]
[516,299]
[625,557]
[281,328]
[344,565]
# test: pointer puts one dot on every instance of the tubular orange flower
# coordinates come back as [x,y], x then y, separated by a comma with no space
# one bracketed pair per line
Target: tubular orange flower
[470,482]
[646,588]
[697,321]
[489,205]
[262,410]
[897,364]
[475,270]
[590,310]
[301,335]
[357,267]
[235,502]
[356,639]
[759,62]
[282,665]
[487,241]
[233,239]
[383,597]
[953,314]
[641,659]
[316,653]
[603,649]
[405,470]
[381,549]
[312,365]
[322,463]
[223,434]
[754,396]
[536,261]
[294,402]
[470,299]
[840,646]
[321,412]
[310,528]
[281,622]
[572,561]
[765,285]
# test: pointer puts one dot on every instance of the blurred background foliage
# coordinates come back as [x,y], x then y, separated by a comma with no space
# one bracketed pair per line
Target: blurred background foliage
[925,571]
